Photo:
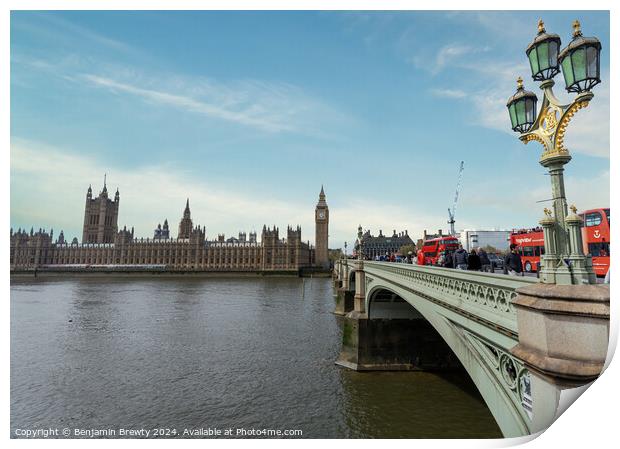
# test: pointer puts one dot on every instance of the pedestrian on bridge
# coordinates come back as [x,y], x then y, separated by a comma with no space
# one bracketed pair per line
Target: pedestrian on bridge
[512,262]
[485,262]
[448,261]
[460,258]
[473,261]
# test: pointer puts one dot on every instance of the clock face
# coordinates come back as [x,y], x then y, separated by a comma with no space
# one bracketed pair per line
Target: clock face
[321,214]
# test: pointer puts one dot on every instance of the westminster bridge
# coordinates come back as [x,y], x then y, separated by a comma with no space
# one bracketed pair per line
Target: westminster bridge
[529,347]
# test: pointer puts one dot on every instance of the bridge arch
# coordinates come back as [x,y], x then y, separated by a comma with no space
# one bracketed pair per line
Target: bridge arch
[351,283]
[383,303]
[485,358]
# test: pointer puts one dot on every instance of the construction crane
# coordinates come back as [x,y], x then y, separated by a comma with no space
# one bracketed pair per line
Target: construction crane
[452,213]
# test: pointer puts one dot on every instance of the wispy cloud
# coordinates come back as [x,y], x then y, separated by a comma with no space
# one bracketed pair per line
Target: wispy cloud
[252,115]
[267,106]
[272,107]
[52,26]
[448,55]
[448,93]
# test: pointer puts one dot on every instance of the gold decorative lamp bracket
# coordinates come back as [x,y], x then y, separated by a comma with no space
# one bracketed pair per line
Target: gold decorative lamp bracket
[553,119]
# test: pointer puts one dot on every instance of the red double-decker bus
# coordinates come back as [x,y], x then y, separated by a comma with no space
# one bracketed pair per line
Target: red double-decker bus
[433,248]
[531,246]
[595,235]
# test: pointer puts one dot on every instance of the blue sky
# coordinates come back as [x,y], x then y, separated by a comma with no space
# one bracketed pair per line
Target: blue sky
[248,113]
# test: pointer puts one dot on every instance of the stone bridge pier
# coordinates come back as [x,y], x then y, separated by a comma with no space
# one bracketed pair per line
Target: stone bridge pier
[527,346]
[395,337]
[344,286]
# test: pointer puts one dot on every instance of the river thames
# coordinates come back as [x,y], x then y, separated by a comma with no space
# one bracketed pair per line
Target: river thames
[213,353]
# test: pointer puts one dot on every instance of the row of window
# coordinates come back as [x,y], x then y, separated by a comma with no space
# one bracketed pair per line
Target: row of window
[595,218]
[532,251]
[597,249]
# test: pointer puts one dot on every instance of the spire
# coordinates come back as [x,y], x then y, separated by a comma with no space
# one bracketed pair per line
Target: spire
[89,192]
[117,194]
[322,198]
[105,187]
[187,213]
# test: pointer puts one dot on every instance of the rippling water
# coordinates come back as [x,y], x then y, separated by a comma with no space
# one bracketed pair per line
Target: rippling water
[213,353]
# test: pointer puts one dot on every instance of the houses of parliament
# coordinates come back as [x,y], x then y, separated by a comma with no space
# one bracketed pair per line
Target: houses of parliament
[104,245]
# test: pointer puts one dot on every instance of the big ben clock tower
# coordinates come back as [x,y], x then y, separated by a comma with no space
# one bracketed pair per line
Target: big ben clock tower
[321,220]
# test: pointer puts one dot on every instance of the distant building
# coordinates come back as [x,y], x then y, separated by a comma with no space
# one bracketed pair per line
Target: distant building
[104,245]
[479,238]
[428,236]
[381,244]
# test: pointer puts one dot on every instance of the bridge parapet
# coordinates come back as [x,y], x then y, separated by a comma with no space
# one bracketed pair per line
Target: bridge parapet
[487,297]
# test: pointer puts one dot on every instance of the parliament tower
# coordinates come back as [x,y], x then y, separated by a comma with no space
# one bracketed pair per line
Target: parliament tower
[321,220]
[100,217]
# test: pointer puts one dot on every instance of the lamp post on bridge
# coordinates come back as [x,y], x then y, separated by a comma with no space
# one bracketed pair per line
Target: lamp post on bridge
[564,261]
[563,327]
[360,251]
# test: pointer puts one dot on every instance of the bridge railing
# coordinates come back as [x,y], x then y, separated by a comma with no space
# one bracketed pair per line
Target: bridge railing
[486,296]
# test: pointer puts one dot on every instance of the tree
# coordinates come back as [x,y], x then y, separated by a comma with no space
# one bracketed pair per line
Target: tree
[404,250]
[492,249]
[335,254]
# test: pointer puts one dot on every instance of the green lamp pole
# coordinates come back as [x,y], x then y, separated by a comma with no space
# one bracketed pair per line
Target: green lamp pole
[564,261]
[360,251]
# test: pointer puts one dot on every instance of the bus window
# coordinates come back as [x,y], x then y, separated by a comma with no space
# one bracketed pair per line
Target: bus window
[528,251]
[542,250]
[599,249]
[593,219]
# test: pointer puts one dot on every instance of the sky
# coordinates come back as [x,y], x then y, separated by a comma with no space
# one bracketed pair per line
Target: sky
[247,114]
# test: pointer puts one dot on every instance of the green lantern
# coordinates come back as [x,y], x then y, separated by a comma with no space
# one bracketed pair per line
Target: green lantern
[543,54]
[522,108]
[581,62]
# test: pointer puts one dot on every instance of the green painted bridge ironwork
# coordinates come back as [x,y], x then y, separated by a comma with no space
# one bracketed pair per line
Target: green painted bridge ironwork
[511,334]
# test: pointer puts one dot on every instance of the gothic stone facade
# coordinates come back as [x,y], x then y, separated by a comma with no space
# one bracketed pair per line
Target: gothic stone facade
[100,217]
[380,245]
[191,251]
[321,220]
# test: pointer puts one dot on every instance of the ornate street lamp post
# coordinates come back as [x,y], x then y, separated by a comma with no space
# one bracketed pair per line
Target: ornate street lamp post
[564,261]
[360,251]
